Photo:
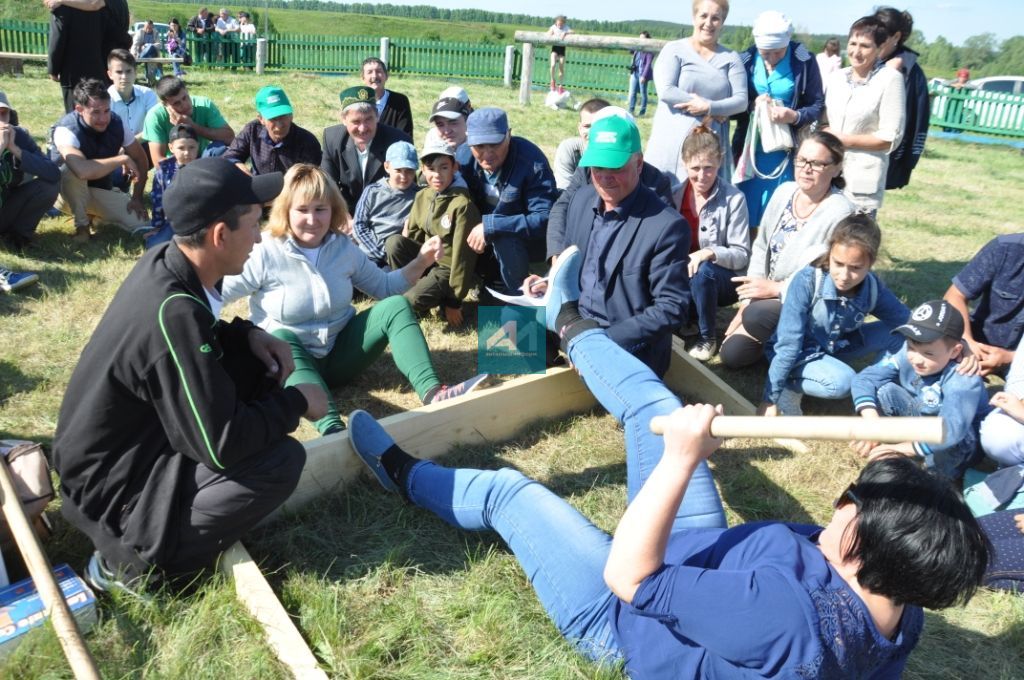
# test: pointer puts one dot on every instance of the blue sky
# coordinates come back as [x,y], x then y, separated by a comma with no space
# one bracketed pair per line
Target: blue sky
[954,19]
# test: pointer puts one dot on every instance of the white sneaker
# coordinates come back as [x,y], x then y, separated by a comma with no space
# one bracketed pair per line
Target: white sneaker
[465,387]
[789,403]
[703,350]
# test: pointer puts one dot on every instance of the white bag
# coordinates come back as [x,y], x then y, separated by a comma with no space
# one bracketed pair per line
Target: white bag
[774,136]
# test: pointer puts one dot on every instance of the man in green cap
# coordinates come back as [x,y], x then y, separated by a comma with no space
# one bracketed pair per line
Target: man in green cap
[635,248]
[355,151]
[272,142]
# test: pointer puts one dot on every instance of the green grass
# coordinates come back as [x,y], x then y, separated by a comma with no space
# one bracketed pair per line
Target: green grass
[382,590]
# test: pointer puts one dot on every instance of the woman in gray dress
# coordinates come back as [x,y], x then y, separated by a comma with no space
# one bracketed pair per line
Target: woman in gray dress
[696,78]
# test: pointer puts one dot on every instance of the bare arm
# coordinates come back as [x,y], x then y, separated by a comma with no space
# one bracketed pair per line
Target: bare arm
[138,156]
[84,5]
[157,152]
[638,548]
[954,297]
[99,168]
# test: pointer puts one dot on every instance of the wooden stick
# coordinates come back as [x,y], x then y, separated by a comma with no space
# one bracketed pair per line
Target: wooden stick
[64,624]
[259,599]
[930,430]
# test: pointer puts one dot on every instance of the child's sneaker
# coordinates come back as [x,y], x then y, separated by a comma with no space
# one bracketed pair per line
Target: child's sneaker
[12,281]
[703,350]
[789,403]
[465,387]
[370,441]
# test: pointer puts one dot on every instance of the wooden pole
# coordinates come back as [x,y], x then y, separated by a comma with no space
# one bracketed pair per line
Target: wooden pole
[510,63]
[598,41]
[64,624]
[385,50]
[261,55]
[526,75]
[930,430]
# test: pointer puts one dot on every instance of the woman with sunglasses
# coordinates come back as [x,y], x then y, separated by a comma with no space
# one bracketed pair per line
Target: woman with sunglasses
[796,225]
[671,600]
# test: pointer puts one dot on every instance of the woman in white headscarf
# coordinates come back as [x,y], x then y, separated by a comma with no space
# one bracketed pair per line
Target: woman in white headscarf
[784,74]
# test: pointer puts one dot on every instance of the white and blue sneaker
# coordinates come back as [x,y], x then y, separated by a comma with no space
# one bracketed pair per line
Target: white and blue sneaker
[370,441]
[12,281]
[459,389]
[563,284]
[103,580]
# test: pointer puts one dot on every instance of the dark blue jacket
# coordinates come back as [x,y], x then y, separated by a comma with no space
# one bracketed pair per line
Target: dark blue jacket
[904,157]
[526,188]
[93,144]
[808,97]
[648,293]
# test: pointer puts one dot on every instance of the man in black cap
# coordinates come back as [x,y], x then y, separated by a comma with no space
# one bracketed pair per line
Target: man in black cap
[172,440]
[355,151]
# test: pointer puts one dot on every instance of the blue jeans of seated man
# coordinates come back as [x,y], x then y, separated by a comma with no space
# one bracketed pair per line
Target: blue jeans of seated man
[896,400]
[828,376]
[514,255]
[634,85]
[562,553]
[215,149]
[710,288]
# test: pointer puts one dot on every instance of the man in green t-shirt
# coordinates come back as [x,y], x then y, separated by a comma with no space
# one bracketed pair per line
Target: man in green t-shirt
[179,107]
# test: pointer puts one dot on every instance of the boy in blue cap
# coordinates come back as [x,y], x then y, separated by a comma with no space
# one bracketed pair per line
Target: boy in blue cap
[384,207]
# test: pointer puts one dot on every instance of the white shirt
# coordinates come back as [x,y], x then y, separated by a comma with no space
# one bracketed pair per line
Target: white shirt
[63,136]
[133,113]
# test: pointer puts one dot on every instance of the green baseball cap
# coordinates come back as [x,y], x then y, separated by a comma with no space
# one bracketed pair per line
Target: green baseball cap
[612,142]
[271,102]
[360,94]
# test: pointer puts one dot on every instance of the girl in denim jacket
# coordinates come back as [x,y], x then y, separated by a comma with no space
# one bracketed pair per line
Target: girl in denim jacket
[822,326]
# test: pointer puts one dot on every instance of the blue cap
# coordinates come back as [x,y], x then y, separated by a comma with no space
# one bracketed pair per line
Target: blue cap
[402,155]
[488,125]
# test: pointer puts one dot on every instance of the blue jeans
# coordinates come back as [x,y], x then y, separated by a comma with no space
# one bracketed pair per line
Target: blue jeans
[562,553]
[514,255]
[634,85]
[215,149]
[710,288]
[896,400]
[153,71]
[828,376]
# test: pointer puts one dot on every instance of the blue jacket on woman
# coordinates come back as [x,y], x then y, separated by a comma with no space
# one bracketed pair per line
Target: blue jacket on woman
[817,319]
[808,97]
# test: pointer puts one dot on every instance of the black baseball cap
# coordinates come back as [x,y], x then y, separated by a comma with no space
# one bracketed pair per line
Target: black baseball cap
[207,188]
[933,320]
[450,108]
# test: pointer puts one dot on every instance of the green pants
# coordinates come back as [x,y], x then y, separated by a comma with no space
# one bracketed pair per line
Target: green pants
[390,321]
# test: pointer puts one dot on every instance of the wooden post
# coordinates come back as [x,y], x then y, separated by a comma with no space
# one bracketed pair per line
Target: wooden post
[64,624]
[598,41]
[526,75]
[510,64]
[261,55]
[385,50]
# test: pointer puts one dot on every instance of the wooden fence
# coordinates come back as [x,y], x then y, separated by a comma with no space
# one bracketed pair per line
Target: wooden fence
[28,37]
[986,113]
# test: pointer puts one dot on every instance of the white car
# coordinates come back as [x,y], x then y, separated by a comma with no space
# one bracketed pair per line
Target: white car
[1005,84]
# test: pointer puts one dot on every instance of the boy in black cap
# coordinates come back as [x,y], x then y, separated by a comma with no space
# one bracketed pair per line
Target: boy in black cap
[172,440]
[922,380]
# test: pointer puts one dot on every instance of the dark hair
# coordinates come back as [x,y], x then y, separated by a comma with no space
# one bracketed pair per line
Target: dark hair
[702,140]
[181,131]
[373,60]
[915,539]
[90,88]
[123,55]
[858,229]
[870,26]
[645,34]
[835,148]
[169,86]
[895,22]
[832,46]
[231,217]
[594,105]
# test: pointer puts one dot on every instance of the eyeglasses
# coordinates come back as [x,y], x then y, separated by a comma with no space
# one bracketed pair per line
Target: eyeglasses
[816,166]
[849,495]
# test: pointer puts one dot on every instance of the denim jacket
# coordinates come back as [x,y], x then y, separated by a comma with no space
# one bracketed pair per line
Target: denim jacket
[526,188]
[724,225]
[817,320]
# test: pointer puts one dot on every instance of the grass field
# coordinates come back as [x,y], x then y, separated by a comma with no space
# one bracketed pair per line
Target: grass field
[381,590]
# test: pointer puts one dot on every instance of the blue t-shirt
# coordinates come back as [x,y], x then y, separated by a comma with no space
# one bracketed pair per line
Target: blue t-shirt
[995,278]
[753,601]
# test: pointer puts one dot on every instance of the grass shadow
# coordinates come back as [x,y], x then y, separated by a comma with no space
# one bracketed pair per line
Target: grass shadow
[749,492]
[990,656]
[14,381]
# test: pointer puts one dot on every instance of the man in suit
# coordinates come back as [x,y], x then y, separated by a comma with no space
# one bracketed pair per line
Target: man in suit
[392,107]
[354,152]
[635,248]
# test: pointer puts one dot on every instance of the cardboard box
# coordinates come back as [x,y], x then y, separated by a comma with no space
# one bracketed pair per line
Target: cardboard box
[21,608]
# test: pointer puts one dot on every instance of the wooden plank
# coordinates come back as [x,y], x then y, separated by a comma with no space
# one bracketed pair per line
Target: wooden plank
[695,382]
[599,41]
[486,416]
[24,56]
[259,599]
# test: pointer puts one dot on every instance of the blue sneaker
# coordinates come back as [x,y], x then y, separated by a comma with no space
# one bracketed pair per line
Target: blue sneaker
[370,441]
[563,284]
[12,281]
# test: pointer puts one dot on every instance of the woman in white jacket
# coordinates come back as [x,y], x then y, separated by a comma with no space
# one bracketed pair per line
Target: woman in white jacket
[300,277]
